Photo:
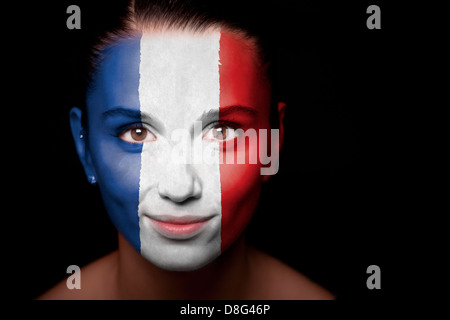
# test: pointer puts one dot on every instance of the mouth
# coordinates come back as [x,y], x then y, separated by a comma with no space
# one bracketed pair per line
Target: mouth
[178,228]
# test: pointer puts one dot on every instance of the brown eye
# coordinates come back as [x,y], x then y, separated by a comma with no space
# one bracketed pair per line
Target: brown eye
[138,134]
[220,133]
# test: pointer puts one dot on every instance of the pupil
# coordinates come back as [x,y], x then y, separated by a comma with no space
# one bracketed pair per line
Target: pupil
[220,133]
[138,134]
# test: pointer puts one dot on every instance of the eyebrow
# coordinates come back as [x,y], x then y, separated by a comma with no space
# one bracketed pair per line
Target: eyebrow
[214,114]
[207,116]
[120,111]
[133,114]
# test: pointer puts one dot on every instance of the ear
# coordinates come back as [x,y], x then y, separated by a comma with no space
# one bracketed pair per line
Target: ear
[276,145]
[80,138]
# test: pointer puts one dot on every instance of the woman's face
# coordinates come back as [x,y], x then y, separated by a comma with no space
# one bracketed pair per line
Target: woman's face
[164,111]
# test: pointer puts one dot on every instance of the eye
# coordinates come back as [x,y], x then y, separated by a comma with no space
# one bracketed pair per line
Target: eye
[220,132]
[137,134]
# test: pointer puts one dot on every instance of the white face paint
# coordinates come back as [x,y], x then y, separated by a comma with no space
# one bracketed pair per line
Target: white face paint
[179,203]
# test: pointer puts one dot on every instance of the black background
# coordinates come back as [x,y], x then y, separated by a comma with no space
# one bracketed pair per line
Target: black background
[330,212]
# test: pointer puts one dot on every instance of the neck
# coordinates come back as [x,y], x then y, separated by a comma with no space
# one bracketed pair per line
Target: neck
[224,278]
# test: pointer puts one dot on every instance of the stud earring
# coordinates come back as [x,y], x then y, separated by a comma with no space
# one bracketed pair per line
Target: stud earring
[82,134]
[92,180]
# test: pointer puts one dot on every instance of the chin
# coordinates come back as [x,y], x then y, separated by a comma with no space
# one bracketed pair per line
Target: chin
[186,260]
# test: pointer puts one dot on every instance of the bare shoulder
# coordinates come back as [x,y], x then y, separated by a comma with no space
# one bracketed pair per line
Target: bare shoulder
[278,281]
[97,282]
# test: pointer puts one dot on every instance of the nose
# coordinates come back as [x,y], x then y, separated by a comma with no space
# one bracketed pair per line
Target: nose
[180,183]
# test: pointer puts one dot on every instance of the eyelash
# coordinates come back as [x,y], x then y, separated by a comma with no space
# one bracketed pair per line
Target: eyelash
[123,129]
[227,123]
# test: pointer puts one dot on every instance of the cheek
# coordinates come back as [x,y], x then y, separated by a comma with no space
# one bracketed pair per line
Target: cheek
[240,189]
[118,178]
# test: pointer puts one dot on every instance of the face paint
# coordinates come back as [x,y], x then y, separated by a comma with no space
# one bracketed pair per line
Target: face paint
[156,87]
[112,107]
[179,204]
[242,82]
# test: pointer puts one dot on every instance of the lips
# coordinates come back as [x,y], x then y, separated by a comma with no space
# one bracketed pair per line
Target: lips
[178,228]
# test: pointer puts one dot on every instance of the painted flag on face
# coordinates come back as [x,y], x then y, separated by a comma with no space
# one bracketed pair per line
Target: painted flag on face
[194,89]
[179,201]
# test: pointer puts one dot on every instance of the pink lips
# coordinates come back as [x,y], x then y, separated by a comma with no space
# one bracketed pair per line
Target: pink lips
[180,228]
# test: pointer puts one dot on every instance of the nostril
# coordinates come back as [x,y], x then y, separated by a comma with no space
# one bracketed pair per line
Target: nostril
[180,198]
[180,187]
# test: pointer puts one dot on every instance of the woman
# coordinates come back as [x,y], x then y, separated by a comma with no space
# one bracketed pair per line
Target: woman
[175,133]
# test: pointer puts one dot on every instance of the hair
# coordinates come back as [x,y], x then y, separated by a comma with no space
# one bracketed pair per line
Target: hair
[138,16]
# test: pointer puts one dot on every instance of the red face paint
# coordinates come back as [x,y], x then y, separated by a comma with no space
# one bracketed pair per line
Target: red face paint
[243,82]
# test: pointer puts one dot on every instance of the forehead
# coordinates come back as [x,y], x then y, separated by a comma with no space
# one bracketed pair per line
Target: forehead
[177,70]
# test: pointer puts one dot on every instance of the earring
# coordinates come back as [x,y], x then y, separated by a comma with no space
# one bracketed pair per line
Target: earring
[82,134]
[92,180]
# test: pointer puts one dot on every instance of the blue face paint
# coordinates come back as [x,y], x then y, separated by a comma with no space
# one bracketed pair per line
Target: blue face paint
[113,107]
